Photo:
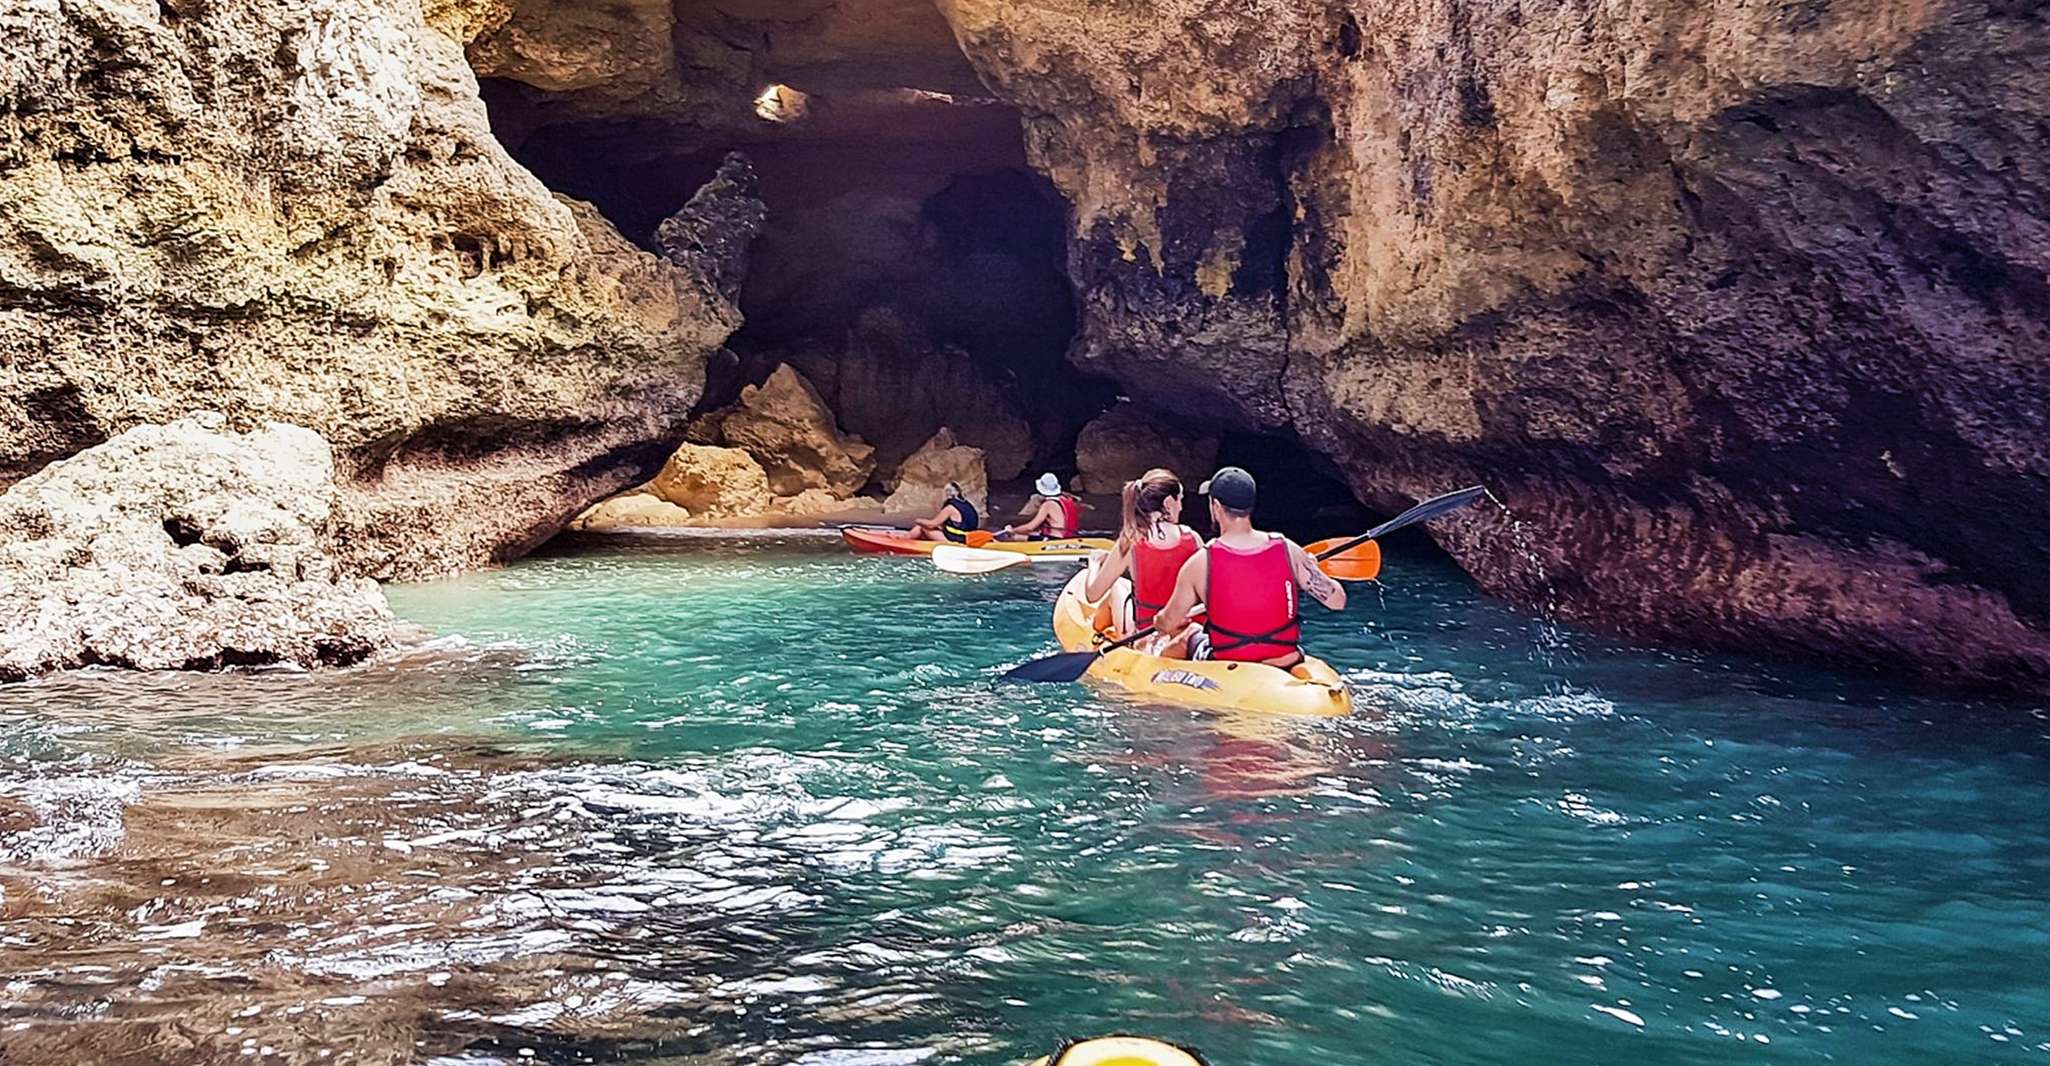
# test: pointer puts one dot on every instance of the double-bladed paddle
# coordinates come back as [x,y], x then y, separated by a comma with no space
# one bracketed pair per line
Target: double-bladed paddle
[1071,665]
[962,559]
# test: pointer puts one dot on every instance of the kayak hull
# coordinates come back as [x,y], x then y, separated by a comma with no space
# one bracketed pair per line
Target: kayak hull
[891,542]
[1312,689]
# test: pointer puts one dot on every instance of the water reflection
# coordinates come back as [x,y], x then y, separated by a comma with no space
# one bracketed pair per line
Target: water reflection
[757,803]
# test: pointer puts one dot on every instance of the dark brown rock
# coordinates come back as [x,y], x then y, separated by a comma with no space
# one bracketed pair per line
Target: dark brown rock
[1742,309]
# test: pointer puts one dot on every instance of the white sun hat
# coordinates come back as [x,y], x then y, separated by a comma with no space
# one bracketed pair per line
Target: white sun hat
[1048,485]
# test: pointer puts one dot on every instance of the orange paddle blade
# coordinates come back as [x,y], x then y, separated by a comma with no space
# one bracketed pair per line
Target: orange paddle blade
[979,537]
[1359,563]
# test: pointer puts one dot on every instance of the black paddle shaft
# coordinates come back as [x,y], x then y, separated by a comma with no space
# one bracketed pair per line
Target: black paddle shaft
[1069,665]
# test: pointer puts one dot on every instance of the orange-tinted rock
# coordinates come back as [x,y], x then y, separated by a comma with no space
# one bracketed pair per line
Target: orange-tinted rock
[921,483]
[713,482]
[790,431]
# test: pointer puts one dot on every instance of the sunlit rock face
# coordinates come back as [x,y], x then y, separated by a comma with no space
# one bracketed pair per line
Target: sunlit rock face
[182,546]
[1740,307]
[298,212]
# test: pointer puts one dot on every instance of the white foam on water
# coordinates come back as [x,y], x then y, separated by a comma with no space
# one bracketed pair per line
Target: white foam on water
[1620,1014]
[865,1057]
[1566,705]
[76,817]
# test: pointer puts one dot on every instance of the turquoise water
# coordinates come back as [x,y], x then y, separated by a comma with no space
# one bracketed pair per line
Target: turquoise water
[784,799]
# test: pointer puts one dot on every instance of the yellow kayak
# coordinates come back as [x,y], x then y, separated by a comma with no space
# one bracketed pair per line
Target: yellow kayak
[1121,1051]
[1311,688]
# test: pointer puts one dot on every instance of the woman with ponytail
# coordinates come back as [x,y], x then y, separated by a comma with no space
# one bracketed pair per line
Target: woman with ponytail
[1152,546]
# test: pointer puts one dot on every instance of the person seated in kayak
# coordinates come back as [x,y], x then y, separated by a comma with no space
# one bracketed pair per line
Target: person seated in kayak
[955,519]
[1246,581]
[1057,517]
[1151,547]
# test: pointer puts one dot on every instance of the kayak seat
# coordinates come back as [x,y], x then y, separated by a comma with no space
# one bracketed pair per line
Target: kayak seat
[1105,620]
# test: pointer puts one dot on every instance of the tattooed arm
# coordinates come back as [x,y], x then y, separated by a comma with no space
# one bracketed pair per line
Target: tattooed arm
[1316,582]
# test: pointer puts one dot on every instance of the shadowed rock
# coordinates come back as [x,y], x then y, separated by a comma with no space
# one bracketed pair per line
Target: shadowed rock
[1742,308]
[710,236]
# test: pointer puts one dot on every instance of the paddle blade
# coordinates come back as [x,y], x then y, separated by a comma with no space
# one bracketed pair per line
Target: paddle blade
[957,559]
[980,537]
[1067,666]
[1361,562]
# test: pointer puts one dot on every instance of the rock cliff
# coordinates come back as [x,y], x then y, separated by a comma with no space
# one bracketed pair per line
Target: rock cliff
[293,211]
[1742,308]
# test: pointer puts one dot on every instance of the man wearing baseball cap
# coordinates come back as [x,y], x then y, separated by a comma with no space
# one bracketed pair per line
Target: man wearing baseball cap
[1246,581]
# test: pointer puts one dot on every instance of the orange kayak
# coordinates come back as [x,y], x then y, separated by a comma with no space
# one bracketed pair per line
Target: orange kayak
[891,542]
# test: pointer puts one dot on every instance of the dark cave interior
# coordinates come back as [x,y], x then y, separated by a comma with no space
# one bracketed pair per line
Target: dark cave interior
[913,266]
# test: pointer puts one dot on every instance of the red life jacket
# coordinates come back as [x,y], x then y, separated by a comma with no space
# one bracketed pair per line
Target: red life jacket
[1153,572]
[1252,603]
[1071,517]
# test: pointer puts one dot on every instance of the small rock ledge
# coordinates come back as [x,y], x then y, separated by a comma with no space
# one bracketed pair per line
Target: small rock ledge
[182,546]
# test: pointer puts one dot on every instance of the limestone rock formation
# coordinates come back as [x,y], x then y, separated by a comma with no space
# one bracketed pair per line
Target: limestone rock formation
[183,546]
[702,485]
[895,387]
[299,213]
[638,509]
[814,502]
[920,485]
[1743,308]
[788,429]
[713,482]
[1125,442]
[710,236]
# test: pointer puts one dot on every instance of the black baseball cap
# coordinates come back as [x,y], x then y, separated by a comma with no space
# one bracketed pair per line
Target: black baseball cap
[1232,487]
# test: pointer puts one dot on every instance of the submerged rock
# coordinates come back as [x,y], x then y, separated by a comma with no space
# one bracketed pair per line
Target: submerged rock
[921,483]
[182,546]
[1125,442]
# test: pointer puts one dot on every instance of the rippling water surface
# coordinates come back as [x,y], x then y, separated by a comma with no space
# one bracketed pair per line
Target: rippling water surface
[755,801]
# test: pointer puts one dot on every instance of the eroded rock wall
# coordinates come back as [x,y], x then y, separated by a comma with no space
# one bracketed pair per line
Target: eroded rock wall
[1740,307]
[292,211]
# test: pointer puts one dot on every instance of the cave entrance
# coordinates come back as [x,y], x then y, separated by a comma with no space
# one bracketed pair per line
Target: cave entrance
[913,266]
[1300,493]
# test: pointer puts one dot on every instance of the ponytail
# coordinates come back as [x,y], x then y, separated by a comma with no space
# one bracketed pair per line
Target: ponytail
[1128,528]
[1144,499]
